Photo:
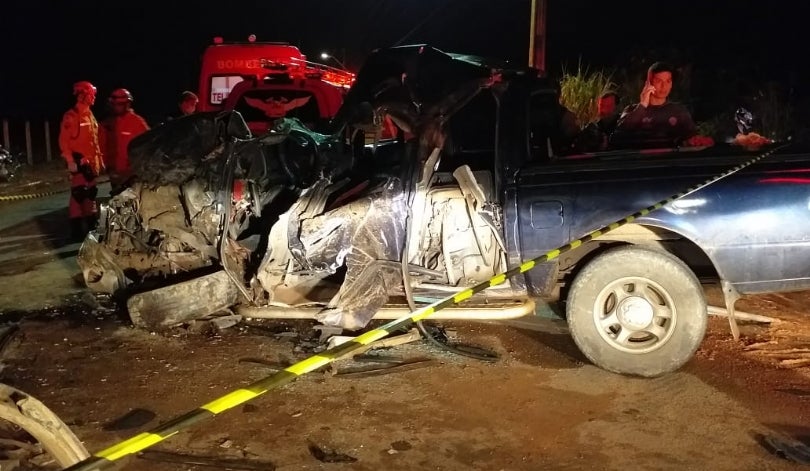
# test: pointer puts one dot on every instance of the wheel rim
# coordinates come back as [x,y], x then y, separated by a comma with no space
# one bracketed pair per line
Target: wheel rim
[635,315]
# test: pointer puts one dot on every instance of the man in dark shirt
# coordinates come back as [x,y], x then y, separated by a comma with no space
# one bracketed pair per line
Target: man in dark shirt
[608,113]
[654,121]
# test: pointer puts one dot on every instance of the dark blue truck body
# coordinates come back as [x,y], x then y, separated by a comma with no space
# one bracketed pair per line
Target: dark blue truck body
[753,225]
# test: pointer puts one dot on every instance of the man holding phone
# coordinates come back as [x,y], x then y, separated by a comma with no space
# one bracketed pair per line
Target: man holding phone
[655,121]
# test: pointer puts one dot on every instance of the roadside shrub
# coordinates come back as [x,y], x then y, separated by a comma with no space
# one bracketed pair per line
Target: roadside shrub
[774,115]
[720,127]
[773,111]
[580,90]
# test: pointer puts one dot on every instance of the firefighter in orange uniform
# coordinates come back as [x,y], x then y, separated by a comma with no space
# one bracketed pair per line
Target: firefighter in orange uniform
[78,144]
[115,134]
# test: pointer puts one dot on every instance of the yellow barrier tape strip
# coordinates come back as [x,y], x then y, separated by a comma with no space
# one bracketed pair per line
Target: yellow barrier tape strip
[229,401]
[43,194]
[237,397]
[31,196]
[133,445]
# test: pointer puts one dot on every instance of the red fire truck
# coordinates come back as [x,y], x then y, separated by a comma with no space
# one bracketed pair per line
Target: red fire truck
[265,81]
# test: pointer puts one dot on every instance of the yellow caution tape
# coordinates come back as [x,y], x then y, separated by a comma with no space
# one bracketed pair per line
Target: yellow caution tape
[108,456]
[41,195]
[31,196]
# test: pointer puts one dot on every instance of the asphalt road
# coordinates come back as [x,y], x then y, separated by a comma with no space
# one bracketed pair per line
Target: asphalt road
[37,261]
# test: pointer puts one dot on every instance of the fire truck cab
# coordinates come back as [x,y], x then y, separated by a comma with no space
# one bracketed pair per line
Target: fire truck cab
[265,81]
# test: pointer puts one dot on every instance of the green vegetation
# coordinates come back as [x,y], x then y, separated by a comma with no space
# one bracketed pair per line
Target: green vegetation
[580,90]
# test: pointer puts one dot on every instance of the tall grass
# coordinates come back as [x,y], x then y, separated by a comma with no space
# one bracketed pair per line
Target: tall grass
[581,89]
[774,115]
[772,107]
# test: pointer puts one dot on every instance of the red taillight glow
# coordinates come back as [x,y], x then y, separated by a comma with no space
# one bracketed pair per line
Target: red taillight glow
[795,181]
[238,190]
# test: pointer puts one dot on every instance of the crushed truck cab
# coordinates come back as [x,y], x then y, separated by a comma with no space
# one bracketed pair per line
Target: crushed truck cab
[294,223]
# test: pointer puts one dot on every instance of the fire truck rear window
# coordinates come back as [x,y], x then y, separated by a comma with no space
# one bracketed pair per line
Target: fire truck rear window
[268,105]
[221,86]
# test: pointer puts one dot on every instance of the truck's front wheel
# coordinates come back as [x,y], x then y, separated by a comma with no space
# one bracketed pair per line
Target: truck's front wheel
[637,311]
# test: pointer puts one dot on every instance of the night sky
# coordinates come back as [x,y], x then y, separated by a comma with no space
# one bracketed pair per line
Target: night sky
[153,47]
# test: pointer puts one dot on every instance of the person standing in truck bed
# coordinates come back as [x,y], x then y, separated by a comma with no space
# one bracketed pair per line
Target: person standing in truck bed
[594,137]
[654,121]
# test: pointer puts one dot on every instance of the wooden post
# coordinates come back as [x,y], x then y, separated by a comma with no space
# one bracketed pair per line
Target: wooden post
[47,141]
[29,152]
[537,35]
[6,142]
[532,20]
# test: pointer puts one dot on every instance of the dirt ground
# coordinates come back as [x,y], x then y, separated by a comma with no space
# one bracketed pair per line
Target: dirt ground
[541,406]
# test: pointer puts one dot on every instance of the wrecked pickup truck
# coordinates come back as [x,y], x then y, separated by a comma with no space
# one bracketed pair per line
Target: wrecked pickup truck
[295,224]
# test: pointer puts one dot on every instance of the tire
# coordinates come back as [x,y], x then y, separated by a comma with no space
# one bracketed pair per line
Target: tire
[172,305]
[637,311]
[32,416]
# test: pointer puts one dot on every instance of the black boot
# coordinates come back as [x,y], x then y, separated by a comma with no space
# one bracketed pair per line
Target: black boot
[77,231]
[90,223]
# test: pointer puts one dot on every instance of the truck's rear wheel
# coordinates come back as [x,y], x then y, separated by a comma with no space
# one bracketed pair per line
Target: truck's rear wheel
[637,311]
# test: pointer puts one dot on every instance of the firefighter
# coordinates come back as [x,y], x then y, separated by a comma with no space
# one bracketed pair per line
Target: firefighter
[78,145]
[187,103]
[116,132]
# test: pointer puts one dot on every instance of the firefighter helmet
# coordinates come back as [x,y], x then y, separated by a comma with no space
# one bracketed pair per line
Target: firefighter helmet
[84,88]
[120,96]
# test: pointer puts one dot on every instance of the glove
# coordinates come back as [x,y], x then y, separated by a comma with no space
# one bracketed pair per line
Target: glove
[88,172]
[75,162]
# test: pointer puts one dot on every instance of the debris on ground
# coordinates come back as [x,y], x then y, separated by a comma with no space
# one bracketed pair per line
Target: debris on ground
[384,366]
[327,455]
[740,315]
[226,443]
[327,331]
[225,322]
[412,336]
[6,334]
[399,446]
[207,461]
[133,419]
[788,449]
[271,365]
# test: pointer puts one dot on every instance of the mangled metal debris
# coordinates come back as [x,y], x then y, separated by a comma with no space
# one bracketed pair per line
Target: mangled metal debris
[328,455]
[383,367]
[786,448]
[294,218]
[206,461]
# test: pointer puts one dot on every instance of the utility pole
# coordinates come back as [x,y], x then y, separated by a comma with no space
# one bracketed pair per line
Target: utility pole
[537,35]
